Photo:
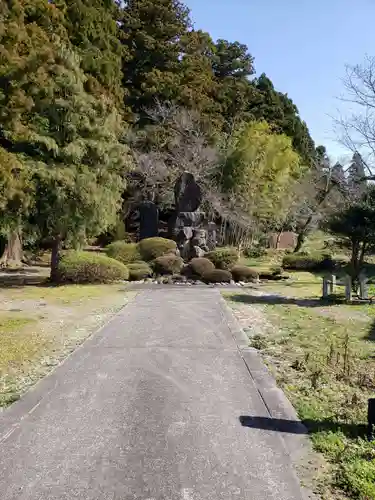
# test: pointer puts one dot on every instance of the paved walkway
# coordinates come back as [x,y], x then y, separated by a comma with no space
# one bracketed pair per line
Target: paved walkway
[147,409]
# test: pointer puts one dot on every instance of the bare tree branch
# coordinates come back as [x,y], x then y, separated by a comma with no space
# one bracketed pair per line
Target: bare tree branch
[357,129]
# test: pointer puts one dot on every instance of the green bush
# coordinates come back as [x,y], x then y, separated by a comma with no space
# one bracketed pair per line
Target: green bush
[124,252]
[308,262]
[223,258]
[200,266]
[255,252]
[139,271]
[168,264]
[89,267]
[217,276]
[152,248]
[244,273]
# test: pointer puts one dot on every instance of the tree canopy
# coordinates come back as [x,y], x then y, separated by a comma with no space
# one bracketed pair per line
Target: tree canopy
[65,139]
[89,88]
[260,171]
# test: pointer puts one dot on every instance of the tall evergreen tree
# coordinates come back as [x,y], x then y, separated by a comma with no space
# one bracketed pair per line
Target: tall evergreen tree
[152,35]
[197,87]
[279,110]
[93,31]
[232,66]
[66,138]
[357,183]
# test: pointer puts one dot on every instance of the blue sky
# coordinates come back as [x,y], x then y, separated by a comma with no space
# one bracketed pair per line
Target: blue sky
[302,45]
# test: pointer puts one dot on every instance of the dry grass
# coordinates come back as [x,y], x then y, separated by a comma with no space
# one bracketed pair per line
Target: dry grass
[40,326]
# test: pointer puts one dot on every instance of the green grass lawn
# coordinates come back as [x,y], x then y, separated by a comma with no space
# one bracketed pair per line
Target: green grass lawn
[323,356]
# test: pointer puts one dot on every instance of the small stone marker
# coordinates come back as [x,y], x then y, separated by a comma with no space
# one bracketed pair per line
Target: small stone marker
[363,287]
[329,284]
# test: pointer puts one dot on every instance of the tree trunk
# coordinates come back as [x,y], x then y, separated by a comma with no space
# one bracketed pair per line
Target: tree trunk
[354,264]
[13,253]
[300,241]
[278,237]
[55,257]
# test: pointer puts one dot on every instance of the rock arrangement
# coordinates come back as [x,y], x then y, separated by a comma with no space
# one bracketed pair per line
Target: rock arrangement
[188,226]
[188,282]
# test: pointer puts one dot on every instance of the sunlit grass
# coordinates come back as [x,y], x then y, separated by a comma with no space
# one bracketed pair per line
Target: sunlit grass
[323,356]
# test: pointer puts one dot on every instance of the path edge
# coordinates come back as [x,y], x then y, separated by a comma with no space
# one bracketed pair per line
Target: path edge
[298,444]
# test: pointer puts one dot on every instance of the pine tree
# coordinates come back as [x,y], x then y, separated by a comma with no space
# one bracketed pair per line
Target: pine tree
[93,31]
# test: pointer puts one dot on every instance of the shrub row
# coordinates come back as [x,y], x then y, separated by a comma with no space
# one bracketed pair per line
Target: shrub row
[88,267]
[146,250]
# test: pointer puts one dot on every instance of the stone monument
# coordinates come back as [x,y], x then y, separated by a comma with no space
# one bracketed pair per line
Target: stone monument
[188,225]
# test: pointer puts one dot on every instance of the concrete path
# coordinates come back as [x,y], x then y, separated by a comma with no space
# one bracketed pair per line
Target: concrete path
[148,409]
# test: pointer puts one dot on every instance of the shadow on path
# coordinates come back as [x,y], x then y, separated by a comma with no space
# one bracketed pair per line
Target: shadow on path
[296,427]
[277,299]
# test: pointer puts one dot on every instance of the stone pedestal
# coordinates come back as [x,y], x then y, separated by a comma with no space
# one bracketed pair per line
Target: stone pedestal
[190,234]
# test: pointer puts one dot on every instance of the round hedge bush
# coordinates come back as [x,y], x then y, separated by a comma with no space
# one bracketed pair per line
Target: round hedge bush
[244,273]
[223,258]
[168,264]
[217,276]
[123,252]
[89,267]
[152,248]
[139,271]
[308,262]
[199,266]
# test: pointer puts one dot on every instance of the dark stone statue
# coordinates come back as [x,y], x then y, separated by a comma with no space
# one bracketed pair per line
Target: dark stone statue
[148,220]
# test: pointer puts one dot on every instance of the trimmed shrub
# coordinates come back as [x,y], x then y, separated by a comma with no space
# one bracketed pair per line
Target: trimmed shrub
[217,276]
[168,264]
[308,262]
[139,271]
[123,252]
[89,267]
[244,273]
[152,248]
[199,266]
[223,258]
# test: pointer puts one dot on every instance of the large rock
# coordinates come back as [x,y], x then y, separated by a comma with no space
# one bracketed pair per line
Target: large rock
[188,194]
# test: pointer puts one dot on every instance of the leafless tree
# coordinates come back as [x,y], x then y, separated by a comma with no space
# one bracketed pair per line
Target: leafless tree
[356,128]
[178,140]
